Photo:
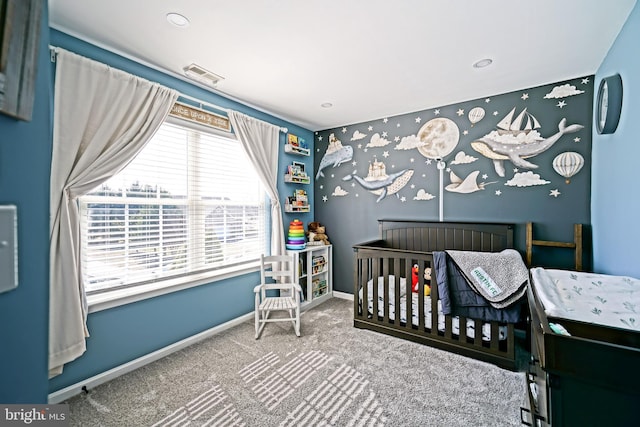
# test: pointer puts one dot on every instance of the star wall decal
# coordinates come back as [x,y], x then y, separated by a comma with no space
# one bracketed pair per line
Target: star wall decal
[359,146]
[436,112]
[498,192]
[488,100]
[465,132]
[396,139]
[576,139]
[418,119]
[585,81]
[398,125]
[524,96]
[325,198]
[460,112]
[495,113]
[321,186]
[385,120]
[515,170]
[485,176]
[320,138]
[561,104]
[403,199]
[384,134]
[354,163]
[428,161]
[370,128]
[554,193]
[411,160]
[385,154]
[344,130]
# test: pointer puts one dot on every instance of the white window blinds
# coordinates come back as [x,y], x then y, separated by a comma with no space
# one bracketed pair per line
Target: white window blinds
[190,202]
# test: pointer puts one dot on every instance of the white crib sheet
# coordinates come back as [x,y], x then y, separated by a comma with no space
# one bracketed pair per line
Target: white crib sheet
[455,321]
[589,297]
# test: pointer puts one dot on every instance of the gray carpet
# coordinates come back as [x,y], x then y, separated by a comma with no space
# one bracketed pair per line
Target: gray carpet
[334,375]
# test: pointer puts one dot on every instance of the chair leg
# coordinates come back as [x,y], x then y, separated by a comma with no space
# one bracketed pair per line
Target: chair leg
[257,323]
[257,316]
[297,324]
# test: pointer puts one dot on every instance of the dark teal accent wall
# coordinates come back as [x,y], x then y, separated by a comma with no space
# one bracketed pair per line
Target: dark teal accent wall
[122,334]
[615,198]
[477,185]
[25,155]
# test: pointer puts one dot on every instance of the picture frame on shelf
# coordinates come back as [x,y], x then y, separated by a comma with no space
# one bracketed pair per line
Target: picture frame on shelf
[299,167]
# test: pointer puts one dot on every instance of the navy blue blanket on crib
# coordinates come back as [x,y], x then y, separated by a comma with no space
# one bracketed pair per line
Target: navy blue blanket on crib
[459,299]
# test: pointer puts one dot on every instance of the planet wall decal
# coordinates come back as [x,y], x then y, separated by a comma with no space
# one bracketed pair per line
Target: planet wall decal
[439,137]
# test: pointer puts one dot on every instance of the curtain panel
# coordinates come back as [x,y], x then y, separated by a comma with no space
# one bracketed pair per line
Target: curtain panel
[261,142]
[102,118]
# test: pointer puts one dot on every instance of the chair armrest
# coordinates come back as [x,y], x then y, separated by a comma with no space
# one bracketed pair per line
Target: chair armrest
[257,288]
[298,287]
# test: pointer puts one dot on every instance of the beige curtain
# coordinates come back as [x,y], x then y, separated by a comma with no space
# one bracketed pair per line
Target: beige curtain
[102,118]
[261,142]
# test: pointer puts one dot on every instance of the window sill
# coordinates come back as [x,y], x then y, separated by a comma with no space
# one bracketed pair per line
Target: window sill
[107,300]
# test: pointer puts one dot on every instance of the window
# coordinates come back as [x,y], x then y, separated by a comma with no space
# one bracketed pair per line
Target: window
[189,203]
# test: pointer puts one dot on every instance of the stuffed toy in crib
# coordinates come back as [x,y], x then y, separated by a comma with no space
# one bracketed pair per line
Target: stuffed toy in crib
[415,281]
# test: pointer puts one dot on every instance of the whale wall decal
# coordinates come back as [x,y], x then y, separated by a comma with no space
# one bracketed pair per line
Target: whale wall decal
[391,184]
[492,147]
[335,155]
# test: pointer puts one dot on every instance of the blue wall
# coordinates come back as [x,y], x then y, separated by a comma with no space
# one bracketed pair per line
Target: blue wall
[127,332]
[25,155]
[615,199]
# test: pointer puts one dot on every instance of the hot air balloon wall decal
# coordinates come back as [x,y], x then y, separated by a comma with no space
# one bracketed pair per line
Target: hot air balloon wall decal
[568,164]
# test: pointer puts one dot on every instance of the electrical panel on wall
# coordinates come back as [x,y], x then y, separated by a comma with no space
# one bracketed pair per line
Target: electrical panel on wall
[8,248]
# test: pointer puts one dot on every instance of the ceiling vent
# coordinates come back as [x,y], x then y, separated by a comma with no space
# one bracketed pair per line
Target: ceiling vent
[202,75]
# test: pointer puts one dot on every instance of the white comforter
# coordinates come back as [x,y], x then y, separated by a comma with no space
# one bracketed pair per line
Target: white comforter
[589,297]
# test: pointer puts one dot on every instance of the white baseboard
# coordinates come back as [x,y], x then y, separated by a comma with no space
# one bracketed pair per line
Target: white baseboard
[74,389]
[343,295]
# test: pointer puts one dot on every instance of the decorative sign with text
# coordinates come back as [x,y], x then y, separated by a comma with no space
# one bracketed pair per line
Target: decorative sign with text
[200,116]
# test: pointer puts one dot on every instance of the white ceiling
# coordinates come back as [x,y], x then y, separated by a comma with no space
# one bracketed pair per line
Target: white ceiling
[370,59]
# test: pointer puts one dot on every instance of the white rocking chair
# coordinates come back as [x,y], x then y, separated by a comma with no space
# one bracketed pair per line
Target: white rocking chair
[279,269]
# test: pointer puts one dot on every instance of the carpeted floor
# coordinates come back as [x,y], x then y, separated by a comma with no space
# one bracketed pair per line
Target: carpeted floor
[334,374]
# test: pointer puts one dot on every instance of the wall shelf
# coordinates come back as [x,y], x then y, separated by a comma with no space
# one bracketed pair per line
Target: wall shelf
[297,179]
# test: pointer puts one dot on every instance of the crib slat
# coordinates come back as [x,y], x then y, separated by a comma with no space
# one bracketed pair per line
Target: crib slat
[385,289]
[477,327]
[408,300]
[396,269]
[494,336]
[375,270]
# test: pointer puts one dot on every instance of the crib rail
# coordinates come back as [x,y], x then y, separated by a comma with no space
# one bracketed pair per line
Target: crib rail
[392,268]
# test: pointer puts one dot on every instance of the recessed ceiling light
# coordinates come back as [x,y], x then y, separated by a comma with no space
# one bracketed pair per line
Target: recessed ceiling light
[326,105]
[178,20]
[483,63]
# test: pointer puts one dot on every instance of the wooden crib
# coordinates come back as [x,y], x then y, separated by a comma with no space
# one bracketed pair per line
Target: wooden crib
[389,261]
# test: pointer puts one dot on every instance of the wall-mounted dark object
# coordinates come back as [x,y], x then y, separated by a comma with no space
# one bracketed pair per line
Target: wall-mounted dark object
[19,38]
[609,104]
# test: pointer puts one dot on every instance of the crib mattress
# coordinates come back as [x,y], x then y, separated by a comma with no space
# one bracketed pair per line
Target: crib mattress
[455,322]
